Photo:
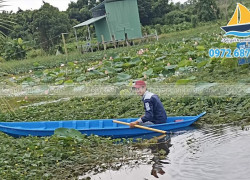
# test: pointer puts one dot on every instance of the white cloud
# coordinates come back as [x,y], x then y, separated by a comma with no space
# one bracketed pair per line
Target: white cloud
[34,4]
[181,1]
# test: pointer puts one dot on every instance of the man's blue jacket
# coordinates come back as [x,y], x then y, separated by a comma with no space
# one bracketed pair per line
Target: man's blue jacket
[154,110]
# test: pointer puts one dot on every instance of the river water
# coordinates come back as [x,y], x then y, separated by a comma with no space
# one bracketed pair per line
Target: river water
[207,153]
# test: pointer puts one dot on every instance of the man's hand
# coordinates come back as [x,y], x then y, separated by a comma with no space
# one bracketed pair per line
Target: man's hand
[132,124]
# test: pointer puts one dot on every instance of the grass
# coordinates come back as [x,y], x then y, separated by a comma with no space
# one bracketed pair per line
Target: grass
[191,33]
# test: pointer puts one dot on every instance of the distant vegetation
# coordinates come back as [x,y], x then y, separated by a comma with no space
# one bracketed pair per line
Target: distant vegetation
[36,30]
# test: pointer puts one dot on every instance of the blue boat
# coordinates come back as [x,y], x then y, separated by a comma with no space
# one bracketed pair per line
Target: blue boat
[100,127]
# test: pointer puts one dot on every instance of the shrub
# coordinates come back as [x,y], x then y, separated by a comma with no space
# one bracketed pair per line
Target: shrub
[14,50]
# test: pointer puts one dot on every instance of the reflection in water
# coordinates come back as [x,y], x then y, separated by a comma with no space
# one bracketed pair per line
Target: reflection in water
[206,153]
[160,150]
[152,158]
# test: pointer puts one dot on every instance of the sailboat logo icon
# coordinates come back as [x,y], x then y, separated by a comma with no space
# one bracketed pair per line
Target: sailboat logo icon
[239,27]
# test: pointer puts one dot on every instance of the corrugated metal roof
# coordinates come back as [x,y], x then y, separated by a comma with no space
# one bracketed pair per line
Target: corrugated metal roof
[101,5]
[90,21]
[98,6]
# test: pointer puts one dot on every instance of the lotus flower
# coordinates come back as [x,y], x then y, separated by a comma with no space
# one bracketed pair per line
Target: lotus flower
[91,69]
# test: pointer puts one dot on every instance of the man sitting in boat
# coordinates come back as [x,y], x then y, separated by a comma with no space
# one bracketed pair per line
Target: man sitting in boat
[154,110]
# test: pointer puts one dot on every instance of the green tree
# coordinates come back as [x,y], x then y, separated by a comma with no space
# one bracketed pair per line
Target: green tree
[206,10]
[24,28]
[80,10]
[176,17]
[162,7]
[6,23]
[49,23]
[145,11]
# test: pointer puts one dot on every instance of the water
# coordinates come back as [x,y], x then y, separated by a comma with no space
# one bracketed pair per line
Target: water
[198,154]
[239,34]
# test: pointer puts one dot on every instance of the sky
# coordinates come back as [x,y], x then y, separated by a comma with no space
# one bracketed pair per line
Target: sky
[62,5]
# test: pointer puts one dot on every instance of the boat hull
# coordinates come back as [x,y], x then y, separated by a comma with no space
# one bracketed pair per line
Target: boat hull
[239,28]
[101,127]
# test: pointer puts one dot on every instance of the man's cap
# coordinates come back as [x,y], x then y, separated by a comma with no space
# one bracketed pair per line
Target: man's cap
[139,84]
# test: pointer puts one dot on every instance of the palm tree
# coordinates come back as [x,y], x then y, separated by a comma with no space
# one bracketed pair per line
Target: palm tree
[5,23]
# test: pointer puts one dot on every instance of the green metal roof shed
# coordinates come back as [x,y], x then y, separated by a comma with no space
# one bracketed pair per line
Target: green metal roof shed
[115,19]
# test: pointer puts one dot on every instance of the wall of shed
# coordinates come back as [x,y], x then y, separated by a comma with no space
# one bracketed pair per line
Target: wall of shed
[101,28]
[123,17]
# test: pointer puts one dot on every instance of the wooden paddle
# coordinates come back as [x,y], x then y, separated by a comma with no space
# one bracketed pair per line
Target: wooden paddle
[142,127]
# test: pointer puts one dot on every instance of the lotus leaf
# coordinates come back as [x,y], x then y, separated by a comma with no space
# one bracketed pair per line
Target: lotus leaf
[119,64]
[59,82]
[71,133]
[171,67]
[149,72]
[184,63]
[160,58]
[200,48]
[123,77]
[96,72]
[134,61]
[68,82]
[110,70]
[81,78]
[182,81]
[202,64]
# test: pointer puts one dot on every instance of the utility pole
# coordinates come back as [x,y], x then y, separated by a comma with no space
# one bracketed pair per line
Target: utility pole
[65,48]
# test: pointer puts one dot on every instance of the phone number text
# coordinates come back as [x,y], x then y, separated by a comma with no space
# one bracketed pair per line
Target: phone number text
[228,53]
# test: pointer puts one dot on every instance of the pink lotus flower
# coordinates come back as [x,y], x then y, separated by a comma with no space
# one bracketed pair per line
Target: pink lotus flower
[190,59]
[111,58]
[140,52]
[168,64]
